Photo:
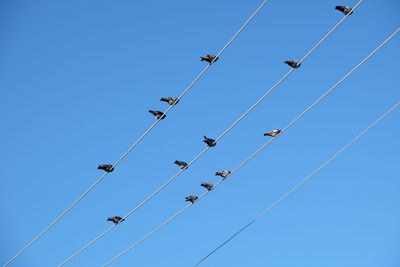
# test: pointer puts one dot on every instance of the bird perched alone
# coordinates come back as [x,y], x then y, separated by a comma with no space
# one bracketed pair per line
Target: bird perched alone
[115,219]
[191,198]
[273,133]
[209,142]
[293,63]
[170,100]
[209,58]
[207,186]
[183,165]
[345,9]
[158,114]
[106,167]
[223,174]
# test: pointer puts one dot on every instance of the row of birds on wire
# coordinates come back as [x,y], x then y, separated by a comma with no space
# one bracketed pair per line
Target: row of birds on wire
[159,115]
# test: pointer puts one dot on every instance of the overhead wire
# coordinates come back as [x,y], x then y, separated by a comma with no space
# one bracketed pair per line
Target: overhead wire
[143,136]
[217,139]
[261,148]
[298,185]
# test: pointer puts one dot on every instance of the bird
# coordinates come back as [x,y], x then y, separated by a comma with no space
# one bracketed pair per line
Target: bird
[293,63]
[116,219]
[170,100]
[223,174]
[209,58]
[183,165]
[210,142]
[273,133]
[207,186]
[191,198]
[345,9]
[106,167]
[158,114]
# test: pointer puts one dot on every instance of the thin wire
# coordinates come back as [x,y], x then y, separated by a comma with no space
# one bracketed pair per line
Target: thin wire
[146,132]
[218,138]
[259,150]
[297,186]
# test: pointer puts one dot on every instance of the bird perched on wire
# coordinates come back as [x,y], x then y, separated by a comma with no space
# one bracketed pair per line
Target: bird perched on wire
[191,198]
[345,9]
[170,100]
[209,142]
[106,167]
[116,219]
[158,114]
[273,133]
[183,165]
[293,63]
[209,58]
[207,186]
[223,174]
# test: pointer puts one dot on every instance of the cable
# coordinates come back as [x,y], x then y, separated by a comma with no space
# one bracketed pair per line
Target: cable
[206,149]
[260,149]
[297,186]
[140,139]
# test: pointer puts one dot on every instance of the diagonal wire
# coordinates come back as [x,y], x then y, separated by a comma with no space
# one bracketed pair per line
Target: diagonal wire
[143,136]
[221,136]
[262,147]
[297,186]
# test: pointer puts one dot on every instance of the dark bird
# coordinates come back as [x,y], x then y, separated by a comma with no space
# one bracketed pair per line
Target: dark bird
[223,174]
[115,219]
[207,186]
[293,63]
[345,9]
[210,142]
[273,133]
[106,167]
[191,198]
[209,58]
[158,114]
[170,100]
[183,165]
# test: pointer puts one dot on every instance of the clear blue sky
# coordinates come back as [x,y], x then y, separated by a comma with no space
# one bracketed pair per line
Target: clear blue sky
[78,77]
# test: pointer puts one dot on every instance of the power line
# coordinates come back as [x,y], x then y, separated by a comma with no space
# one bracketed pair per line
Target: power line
[207,148]
[297,186]
[261,148]
[143,136]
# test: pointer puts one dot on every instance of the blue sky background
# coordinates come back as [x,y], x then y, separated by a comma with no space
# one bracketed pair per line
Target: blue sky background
[78,77]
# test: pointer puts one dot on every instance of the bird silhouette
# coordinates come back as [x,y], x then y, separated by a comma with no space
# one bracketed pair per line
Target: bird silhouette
[183,165]
[210,142]
[207,186]
[115,219]
[345,9]
[170,100]
[106,167]
[158,114]
[209,58]
[273,133]
[223,174]
[191,198]
[293,63]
